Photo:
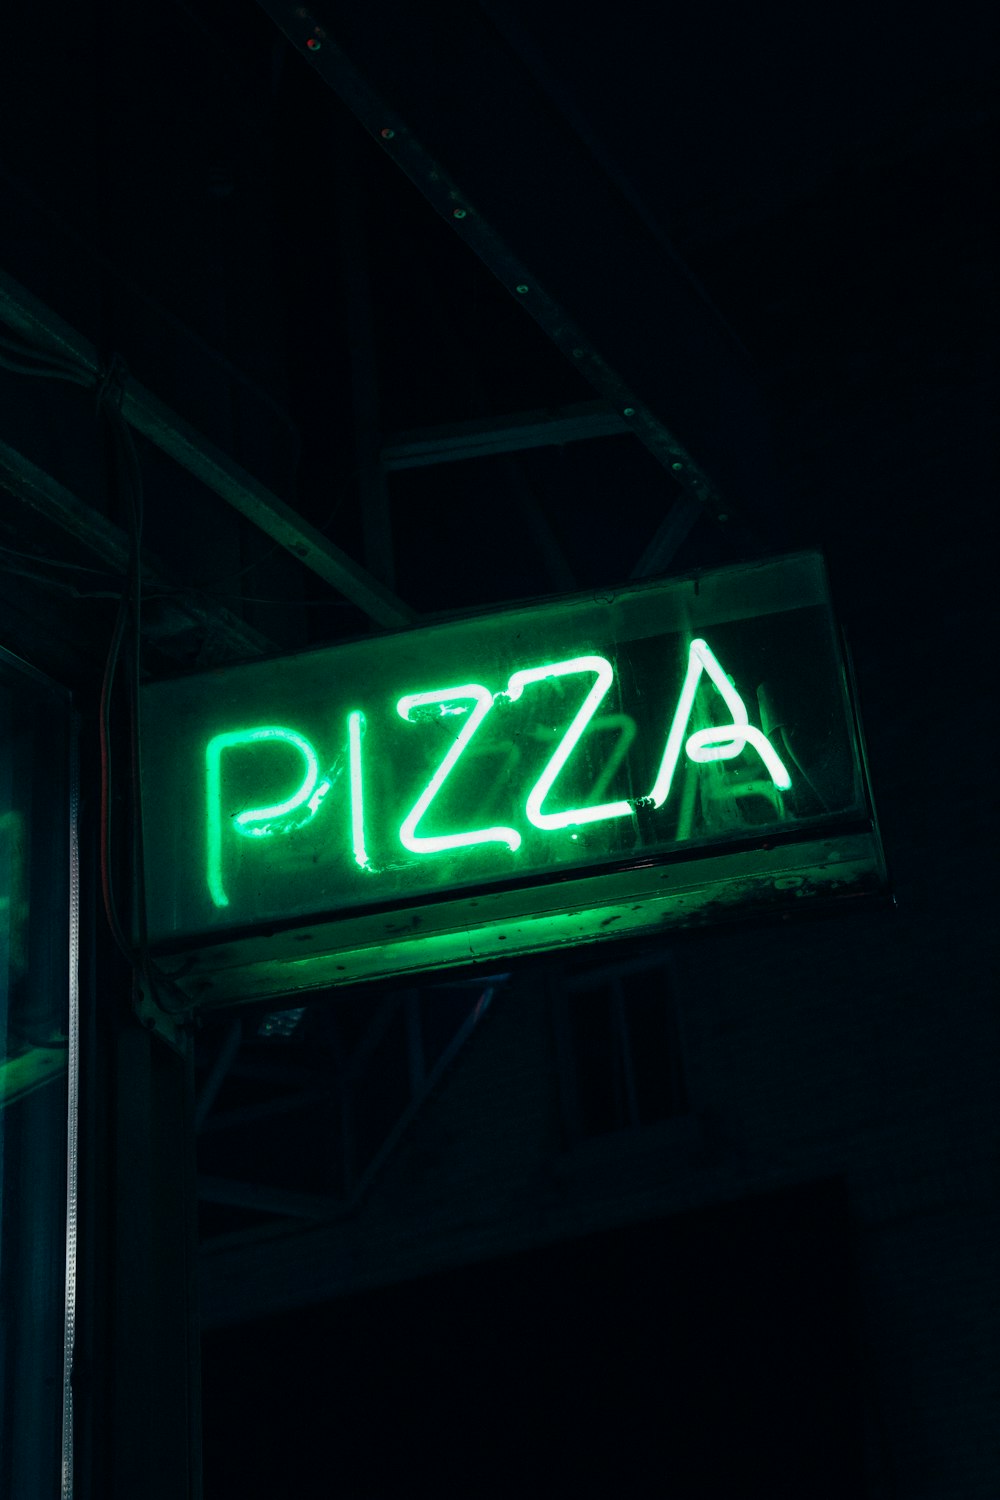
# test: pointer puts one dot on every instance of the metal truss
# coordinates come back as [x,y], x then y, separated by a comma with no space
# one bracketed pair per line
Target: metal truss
[45,330]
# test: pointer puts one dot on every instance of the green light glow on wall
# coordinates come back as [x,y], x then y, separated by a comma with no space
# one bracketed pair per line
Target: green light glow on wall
[605,677]
[448,701]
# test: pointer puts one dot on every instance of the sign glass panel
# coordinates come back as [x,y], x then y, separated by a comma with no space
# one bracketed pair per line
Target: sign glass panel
[534,744]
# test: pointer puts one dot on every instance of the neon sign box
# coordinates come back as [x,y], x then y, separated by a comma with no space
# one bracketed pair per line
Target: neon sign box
[553,773]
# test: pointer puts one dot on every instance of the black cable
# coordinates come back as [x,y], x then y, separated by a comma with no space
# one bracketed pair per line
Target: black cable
[57,585]
[139,956]
[20,367]
[55,562]
[109,387]
[104,728]
[126,612]
[332,603]
[128,481]
[29,360]
[28,350]
[107,761]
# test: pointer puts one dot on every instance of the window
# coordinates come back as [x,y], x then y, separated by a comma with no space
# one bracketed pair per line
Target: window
[36,965]
[350,1070]
[619,1049]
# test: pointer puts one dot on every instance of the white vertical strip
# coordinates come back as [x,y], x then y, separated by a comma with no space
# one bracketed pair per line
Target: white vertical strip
[72,1112]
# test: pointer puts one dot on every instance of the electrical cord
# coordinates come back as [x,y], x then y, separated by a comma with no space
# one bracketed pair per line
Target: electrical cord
[40,363]
[259,599]
[55,562]
[54,585]
[104,726]
[130,612]
[31,361]
[19,367]
[104,720]
[109,388]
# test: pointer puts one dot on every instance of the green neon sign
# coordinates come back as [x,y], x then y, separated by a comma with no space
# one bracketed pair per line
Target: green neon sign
[256,822]
[451,702]
[604,675]
[466,708]
[562,741]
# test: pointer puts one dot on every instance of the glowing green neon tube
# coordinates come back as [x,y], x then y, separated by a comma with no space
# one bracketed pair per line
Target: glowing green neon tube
[533,807]
[675,737]
[702,747]
[408,836]
[254,821]
[355,730]
[729,740]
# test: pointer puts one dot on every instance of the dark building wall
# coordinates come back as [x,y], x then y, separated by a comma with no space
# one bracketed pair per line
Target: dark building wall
[813,1053]
[688,1356]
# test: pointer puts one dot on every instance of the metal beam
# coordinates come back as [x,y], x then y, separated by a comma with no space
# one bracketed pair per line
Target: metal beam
[221,1064]
[267,1200]
[458,441]
[669,537]
[257,503]
[267,1109]
[20,310]
[463,116]
[108,543]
